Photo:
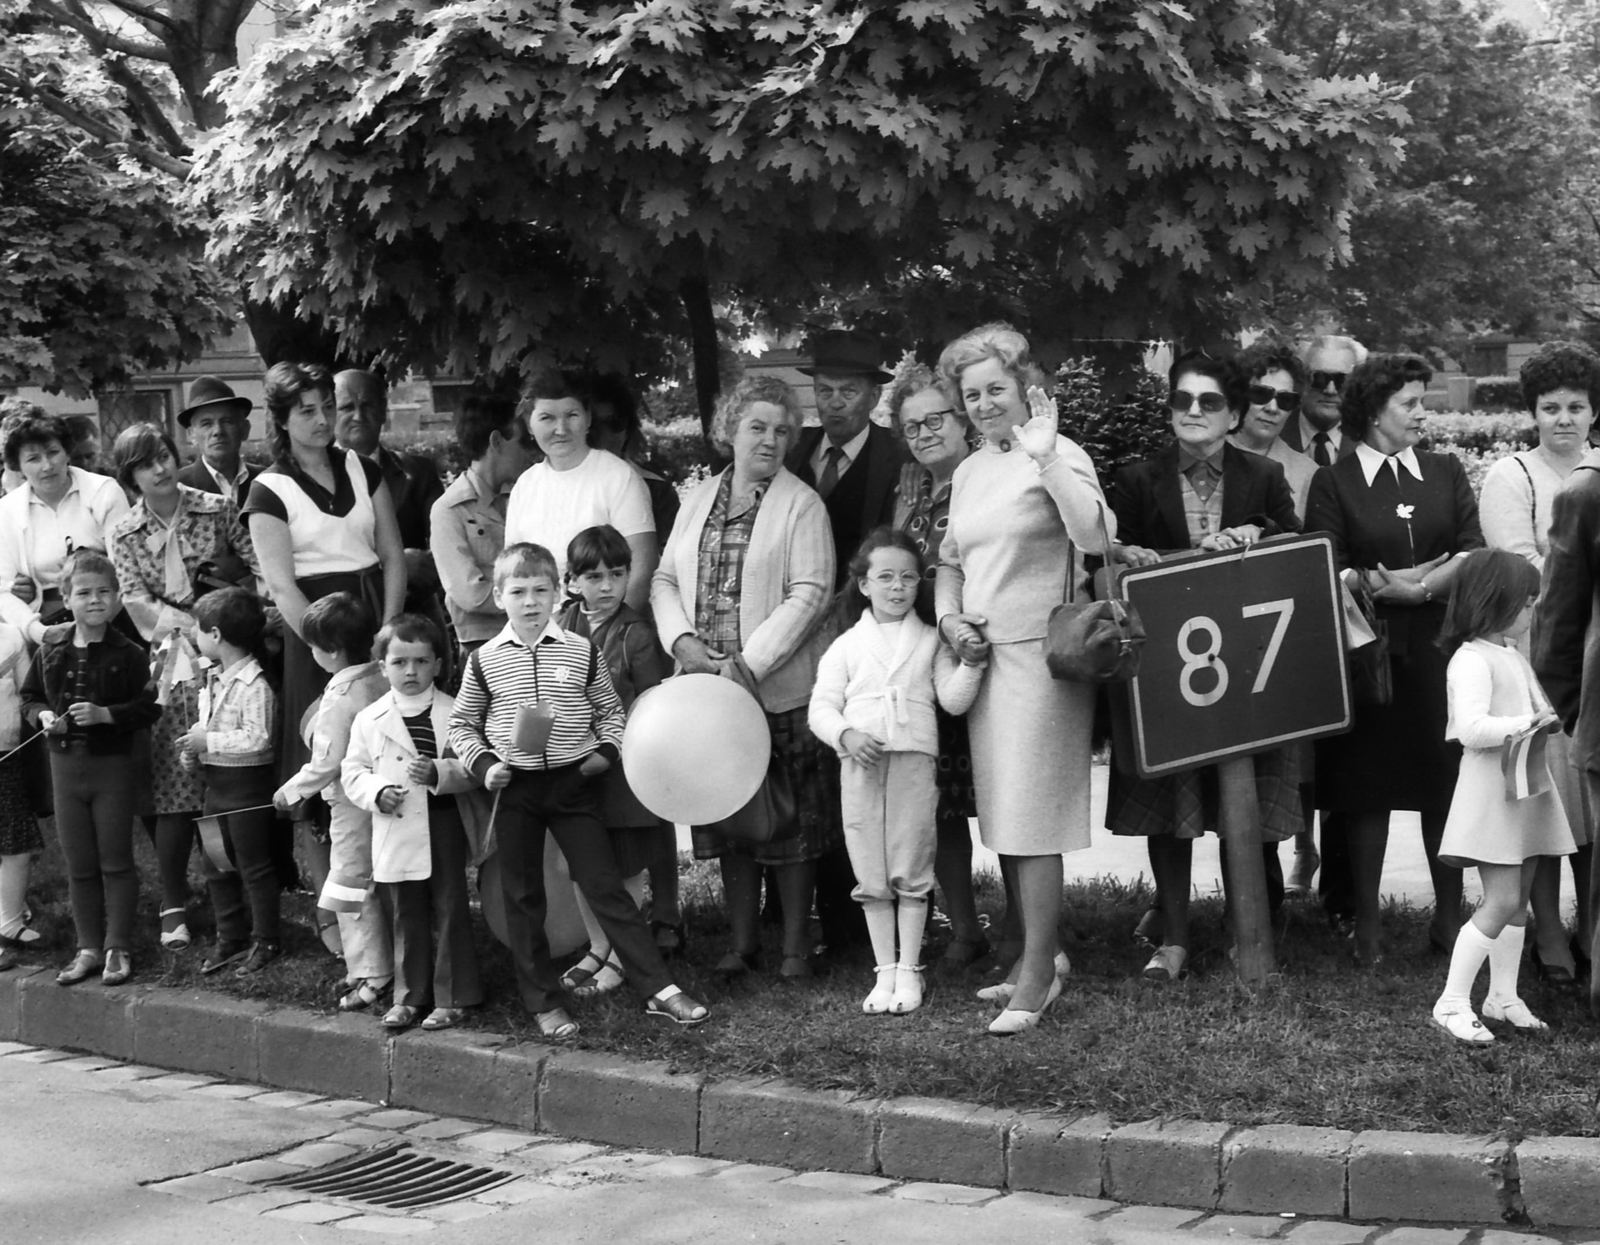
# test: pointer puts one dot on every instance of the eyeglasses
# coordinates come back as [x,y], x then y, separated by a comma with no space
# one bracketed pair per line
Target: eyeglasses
[1210,403]
[888,579]
[1265,395]
[933,421]
[1321,380]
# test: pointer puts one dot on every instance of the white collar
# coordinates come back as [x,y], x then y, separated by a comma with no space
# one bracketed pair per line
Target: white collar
[1372,461]
[852,448]
[508,635]
[1309,431]
[241,478]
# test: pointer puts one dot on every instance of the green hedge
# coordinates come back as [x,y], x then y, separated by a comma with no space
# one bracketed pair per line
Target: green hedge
[1497,393]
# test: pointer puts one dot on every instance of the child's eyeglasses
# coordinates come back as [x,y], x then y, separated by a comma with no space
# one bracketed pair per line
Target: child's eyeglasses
[888,579]
[1211,403]
[1263,395]
[1321,380]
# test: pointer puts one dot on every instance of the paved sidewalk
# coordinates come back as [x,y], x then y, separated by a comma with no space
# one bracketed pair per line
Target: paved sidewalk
[103,1151]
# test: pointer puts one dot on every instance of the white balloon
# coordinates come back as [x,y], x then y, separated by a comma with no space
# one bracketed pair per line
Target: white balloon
[696,748]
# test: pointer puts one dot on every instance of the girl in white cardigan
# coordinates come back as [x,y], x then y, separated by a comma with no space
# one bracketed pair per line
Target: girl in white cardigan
[1494,696]
[873,704]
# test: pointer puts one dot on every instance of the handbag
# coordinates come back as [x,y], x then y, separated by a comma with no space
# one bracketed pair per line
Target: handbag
[1371,665]
[773,812]
[1094,641]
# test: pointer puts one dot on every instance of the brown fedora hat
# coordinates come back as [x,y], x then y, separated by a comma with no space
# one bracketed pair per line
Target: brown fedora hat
[212,391]
[844,352]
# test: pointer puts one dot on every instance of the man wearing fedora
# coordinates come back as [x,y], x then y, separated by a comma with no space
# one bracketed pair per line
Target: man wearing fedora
[851,461]
[217,424]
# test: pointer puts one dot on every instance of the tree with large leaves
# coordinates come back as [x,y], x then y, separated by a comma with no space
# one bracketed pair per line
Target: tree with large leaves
[490,183]
[102,271]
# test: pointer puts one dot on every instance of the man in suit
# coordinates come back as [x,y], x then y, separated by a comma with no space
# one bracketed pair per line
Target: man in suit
[361,410]
[1316,433]
[851,461]
[1566,639]
[216,424]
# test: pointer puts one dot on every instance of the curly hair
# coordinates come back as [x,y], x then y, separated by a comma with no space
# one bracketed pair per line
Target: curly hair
[27,424]
[916,378]
[139,446]
[1223,369]
[1271,354]
[996,340]
[1373,382]
[1560,365]
[732,406]
[284,383]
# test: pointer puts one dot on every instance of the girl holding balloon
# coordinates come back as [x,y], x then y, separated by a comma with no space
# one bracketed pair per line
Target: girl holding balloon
[873,704]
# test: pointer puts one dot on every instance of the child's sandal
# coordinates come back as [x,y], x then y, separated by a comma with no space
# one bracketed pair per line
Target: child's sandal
[555,1025]
[882,996]
[678,1008]
[444,1018]
[177,937]
[907,989]
[582,971]
[609,978]
[362,997]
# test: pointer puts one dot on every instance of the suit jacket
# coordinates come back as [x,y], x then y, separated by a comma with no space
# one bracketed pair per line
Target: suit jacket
[1290,436]
[1147,499]
[864,497]
[1566,641]
[195,475]
[414,485]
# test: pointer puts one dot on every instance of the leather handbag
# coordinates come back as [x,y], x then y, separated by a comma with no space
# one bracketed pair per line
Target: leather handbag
[773,812]
[1094,641]
[1371,665]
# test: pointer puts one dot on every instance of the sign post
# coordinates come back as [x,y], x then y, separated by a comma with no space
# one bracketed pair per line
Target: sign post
[1244,652]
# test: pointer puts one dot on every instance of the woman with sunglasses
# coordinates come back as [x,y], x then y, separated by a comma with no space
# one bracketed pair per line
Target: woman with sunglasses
[1277,380]
[1400,521]
[1198,493]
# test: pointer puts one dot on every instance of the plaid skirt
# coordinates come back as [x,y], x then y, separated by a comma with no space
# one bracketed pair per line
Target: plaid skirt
[814,771]
[19,829]
[1186,804]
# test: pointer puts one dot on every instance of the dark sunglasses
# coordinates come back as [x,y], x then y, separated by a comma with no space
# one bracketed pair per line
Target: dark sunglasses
[1321,380]
[1265,395]
[1211,403]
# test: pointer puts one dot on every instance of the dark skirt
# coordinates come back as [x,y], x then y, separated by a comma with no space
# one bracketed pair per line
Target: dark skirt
[303,679]
[1186,805]
[958,797]
[1396,756]
[639,848]
[19,829]
[814,771]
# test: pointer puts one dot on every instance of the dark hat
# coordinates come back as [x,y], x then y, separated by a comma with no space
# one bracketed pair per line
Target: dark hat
[844,352]
[212,391]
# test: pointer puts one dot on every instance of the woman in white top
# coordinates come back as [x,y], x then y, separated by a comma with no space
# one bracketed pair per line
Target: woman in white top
[578,486]
[1561,386]
[58,508]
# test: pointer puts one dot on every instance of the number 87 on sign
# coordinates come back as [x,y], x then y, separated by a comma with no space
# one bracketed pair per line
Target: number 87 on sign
[1243,652]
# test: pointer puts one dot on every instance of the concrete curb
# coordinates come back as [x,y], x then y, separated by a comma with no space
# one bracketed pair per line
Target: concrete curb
[1268,1170]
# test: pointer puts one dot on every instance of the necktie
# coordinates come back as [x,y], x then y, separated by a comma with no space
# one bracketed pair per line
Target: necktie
[1319,450]
[830,470]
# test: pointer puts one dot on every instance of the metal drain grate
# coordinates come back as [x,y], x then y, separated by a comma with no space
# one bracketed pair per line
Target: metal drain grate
[395,1178]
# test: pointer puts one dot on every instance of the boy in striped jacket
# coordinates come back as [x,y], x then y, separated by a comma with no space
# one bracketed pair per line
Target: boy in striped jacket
[538,720]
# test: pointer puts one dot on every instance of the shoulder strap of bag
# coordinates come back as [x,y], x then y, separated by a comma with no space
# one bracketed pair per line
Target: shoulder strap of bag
[1069,590]
[1533,496]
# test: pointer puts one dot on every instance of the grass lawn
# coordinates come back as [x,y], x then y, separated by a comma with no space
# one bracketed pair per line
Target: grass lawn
[1325,1044]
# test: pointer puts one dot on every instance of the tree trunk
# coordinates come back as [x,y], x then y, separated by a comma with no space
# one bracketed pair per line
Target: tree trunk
[281,336]
[696,295]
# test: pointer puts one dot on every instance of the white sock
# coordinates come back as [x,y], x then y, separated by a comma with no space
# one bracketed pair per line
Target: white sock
[1473,946]
[599,944]
[880,929]
[913,919]
[1505,962]
[13,892]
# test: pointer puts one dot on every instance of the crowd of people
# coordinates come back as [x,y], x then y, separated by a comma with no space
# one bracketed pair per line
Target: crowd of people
[343,669]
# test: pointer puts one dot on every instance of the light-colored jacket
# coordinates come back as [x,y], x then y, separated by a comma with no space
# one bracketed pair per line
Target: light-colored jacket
[380,751]
[85,516]
[468,533]
[788,579]
[884,684]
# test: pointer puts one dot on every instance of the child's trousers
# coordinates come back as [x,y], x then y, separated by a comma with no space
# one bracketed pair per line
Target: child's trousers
[433,955]
[566,804]
[249,835]
[94,819]
[888,825]
[368,948]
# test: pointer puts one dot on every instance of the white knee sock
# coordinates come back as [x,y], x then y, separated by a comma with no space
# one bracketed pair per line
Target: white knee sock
[880,929]
[1473,946]
[913,919]
[13,892]
[1505,962]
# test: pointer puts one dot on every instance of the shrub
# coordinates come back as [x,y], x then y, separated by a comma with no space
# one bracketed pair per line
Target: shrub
[1498,393]
[1479,433]
[1113,432]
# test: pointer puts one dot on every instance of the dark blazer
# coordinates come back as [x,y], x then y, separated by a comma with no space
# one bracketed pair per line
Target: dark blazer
[414,485]
[116,676]
[1566,643]
[195,475]
[864,497]
[1147,499]
[1290,436]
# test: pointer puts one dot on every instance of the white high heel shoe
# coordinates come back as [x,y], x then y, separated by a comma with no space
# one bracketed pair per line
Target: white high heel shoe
[1012,1021]
[1002,993]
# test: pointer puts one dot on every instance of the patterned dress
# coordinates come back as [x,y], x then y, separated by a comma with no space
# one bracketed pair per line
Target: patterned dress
[813,767]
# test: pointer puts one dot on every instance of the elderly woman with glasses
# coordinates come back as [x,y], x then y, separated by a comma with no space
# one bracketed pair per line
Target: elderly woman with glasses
[1199,493]
[1400,520]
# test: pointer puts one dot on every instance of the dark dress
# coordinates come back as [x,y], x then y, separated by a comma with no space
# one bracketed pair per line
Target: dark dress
[1396,755]
[1147,498]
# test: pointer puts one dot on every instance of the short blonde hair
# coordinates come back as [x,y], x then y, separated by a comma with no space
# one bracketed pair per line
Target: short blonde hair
[996,340]
[752,389]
